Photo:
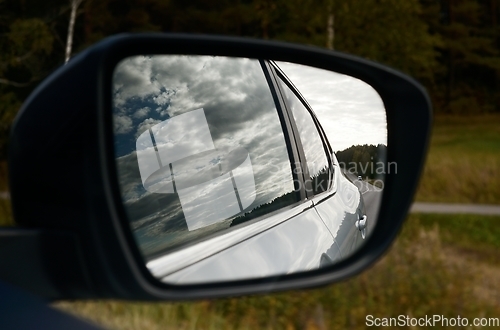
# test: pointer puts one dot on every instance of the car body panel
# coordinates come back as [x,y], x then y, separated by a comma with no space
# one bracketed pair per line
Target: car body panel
[303,238]
[297,244]
[172,262]
[340,211]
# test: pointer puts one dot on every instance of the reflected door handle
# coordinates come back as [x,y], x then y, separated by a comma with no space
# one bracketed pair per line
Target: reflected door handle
[361,226]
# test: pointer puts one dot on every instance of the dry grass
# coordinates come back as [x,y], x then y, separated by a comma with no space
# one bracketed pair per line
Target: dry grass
[421,275]
[439,265]
[461,179]
[463,165]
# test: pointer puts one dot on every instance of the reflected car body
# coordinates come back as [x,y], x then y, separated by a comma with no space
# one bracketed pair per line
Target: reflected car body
[308,236]
[312,233]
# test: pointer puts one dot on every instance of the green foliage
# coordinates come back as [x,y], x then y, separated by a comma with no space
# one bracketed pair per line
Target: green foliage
[463,165]
[388,31]
[365,160]
[101,18]
[9,103]
[30,36]
[453,47]
[26,43]
[475,234]
[470,56]
[25,46]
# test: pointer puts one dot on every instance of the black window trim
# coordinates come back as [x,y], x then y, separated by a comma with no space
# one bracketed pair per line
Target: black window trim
[279,74]
[294,146]
[295,132]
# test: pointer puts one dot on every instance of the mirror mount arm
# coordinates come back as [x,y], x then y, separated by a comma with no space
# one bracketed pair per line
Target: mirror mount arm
[46,263]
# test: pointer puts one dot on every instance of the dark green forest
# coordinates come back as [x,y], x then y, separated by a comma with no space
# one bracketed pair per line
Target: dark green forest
[451,46]
[366,160]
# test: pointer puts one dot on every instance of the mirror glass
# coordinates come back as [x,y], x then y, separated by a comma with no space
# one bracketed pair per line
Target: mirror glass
[237,168]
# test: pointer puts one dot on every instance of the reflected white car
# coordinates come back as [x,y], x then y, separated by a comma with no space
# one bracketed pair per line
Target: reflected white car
[219,192]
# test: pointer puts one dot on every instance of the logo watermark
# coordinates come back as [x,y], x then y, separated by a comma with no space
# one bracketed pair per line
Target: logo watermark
[355,172]
[178,156]
[380,168]
[430,321]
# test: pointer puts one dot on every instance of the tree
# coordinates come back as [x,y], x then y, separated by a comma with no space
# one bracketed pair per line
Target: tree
[388,31]
[71,26]
[25,43]
[470,55]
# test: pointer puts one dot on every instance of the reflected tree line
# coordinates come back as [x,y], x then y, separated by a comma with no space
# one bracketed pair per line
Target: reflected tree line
[319,183]
[167,229]
[368,161]
[266,208]
[173,229]
[170,224]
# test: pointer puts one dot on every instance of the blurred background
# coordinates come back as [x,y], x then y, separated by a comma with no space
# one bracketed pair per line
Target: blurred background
[446,264]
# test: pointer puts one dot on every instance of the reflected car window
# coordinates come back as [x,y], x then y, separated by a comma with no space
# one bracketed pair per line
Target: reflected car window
[199,147]
[317,162]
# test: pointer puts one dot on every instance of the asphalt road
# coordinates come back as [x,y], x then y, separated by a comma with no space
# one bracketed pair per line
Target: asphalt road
[455,208]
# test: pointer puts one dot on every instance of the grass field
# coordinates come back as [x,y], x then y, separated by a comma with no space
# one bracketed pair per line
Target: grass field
[440,264]
[463,165]
[435,267]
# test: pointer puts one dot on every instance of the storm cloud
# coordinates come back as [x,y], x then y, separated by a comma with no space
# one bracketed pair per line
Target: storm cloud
[235,98]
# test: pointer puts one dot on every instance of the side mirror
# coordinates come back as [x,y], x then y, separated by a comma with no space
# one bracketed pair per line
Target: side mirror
[183,166]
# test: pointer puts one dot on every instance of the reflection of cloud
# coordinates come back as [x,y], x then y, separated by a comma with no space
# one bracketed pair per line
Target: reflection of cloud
[209,202]
[132,80]
[128,173]
[182,136]
[122,124]
[239,110]
[141,113]
[350,111]
[184,147]
[233,93]
[311,141]
[145,125]
[163,98]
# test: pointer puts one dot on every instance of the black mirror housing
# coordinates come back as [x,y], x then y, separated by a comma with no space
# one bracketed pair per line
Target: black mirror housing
[64,188]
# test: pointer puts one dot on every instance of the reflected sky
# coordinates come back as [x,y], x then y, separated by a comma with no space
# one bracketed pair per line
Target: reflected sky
[350,111]
[309,135]
[226,108]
